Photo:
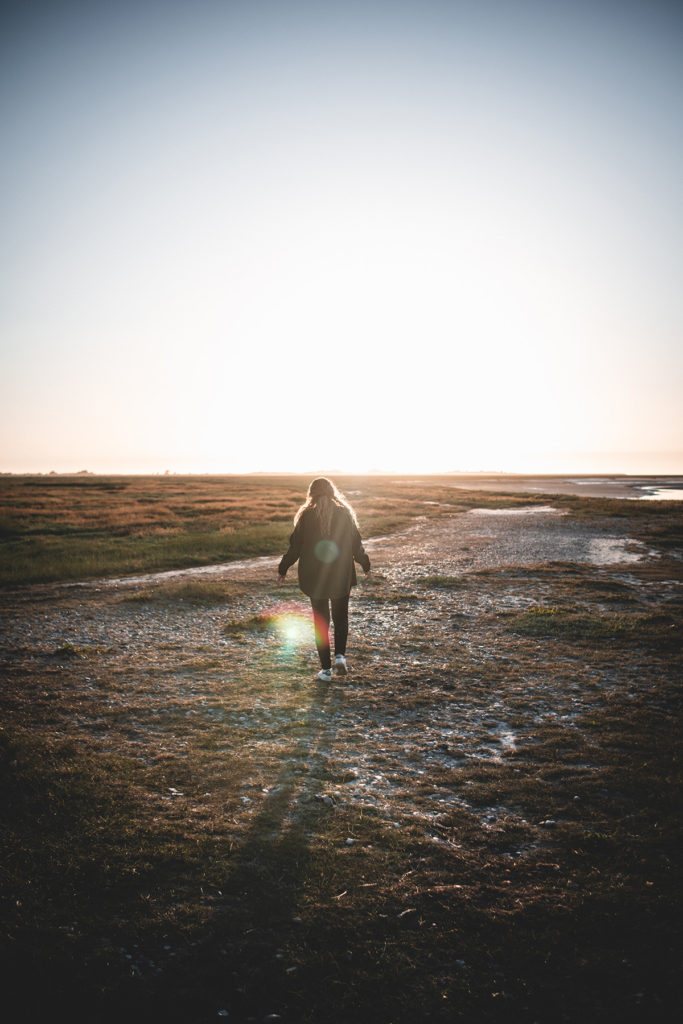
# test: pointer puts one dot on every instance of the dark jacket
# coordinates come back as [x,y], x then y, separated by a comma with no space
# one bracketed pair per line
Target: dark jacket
[326,563]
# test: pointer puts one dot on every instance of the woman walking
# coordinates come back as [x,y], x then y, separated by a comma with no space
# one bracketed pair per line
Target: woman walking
[326,542]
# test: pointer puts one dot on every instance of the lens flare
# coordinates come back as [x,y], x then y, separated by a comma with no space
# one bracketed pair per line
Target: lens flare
[291,621]
[326,551]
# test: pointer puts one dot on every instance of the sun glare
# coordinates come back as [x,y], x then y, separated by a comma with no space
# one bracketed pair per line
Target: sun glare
[385,247]
[293,624]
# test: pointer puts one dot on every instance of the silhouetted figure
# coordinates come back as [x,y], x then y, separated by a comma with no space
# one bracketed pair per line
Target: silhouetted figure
[326,542]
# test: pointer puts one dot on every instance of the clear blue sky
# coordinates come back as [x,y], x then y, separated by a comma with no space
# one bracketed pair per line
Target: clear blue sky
[289,236]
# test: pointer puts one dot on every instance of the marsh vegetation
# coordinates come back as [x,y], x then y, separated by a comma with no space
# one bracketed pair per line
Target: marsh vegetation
[480,823]
[84,527]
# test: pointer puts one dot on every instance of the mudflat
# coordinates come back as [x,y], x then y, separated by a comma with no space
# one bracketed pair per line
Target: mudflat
[480,822]
[591,486]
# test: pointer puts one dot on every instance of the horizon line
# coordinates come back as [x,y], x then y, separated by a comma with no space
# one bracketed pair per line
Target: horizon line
[346,473]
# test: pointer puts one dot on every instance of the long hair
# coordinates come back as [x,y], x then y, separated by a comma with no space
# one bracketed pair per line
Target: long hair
[322,497]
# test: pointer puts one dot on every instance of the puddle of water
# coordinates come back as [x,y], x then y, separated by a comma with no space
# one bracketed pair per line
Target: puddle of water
[591,482]
[508,740]
[661,494]
[619,487]
[615,551]
[531,510]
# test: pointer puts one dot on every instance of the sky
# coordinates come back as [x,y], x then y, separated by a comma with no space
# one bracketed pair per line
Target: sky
[291,236]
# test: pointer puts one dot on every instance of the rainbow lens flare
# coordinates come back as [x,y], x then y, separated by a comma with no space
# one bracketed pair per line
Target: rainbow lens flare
[291,620]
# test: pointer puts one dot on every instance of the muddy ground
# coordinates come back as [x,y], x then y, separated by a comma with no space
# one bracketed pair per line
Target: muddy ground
[479,822]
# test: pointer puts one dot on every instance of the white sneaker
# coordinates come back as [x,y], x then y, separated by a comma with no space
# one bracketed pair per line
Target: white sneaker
[340,665]
[325,675]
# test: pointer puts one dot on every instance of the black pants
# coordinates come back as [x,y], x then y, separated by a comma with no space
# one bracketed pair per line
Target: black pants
[321,623]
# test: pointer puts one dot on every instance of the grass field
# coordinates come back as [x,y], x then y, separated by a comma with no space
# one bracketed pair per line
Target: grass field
[83,527]
[480,824]
[59,528]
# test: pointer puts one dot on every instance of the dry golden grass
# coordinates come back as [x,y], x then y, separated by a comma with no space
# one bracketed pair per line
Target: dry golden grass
[58,528]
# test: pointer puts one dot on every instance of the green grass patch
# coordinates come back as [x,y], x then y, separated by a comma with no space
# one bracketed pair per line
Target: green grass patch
[579,624]
[440,582]
[251,624]
[68,650]
[47,559]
